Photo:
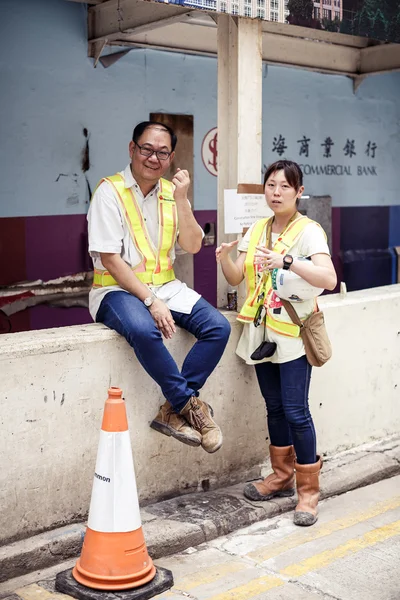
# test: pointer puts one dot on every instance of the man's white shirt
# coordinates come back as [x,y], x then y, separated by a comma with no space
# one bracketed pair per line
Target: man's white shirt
[108,232]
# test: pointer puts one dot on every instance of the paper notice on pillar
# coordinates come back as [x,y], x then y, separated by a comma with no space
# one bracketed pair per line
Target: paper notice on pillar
[114,506]
[242,210]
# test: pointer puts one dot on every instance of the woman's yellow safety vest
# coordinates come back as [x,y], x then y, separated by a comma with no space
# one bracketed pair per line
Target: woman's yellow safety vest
[259,288]
[155,268]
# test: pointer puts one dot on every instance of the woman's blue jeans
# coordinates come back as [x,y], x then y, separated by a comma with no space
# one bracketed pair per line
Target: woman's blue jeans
[285,389]
[127,315]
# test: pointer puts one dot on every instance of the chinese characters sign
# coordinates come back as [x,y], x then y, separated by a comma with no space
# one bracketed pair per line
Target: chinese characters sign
[345,154]
[349,149]
[345,149]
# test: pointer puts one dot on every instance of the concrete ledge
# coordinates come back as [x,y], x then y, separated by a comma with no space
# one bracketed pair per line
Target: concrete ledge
[177,524]
[55,385]
[40,551]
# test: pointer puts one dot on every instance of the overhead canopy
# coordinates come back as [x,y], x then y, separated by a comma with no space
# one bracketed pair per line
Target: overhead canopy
[174,27]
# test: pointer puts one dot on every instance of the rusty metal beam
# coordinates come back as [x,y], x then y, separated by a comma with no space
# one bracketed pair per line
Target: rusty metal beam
[195,52]
[143,28]
[92,2]
[276,49]
[310,53]
[134,23]
[328,37]
[122,16]
[380,59]
[150,46]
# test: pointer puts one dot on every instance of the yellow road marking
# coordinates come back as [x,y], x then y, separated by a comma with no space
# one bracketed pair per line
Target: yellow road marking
[209,575]
[351,547]
[251,589]
[36,592]
[319,531]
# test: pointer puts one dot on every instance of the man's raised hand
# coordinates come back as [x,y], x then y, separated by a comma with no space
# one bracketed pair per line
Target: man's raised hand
[181,181]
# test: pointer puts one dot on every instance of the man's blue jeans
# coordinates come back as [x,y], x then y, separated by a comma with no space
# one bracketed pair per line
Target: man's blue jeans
[127,315]
[285,389]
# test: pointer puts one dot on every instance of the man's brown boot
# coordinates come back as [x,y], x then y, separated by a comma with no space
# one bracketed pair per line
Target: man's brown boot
[307,481]
[199,415]
[172,424]
[281,482]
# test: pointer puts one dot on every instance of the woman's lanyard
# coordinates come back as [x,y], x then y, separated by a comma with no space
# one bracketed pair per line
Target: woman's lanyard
[261,312]
[268,241]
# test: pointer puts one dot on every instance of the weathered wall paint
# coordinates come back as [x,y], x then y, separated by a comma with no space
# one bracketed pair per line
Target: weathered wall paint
[50,92]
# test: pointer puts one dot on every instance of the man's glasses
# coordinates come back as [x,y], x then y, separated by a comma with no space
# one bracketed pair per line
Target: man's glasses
[161,154]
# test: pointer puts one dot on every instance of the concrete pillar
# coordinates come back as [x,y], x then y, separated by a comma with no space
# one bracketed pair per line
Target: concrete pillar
[227,128]
[239,114]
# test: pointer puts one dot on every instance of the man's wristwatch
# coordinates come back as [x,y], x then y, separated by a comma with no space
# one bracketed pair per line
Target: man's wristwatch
[149,300]
[287,262]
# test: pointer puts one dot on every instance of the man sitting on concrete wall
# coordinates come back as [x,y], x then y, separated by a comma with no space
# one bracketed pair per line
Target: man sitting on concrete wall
[135,220]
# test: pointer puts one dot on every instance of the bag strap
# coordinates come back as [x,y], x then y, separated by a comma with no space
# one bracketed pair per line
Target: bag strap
[291,311]
[288,306]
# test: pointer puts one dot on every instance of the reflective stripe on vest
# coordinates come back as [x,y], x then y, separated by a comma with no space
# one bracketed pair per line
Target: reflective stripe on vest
[285,241]
[155,268]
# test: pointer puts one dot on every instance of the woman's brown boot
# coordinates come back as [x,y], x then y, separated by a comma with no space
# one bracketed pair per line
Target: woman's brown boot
[307,482]
[281,482]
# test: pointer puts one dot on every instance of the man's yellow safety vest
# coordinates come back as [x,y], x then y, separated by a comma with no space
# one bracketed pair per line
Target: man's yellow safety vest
[155,268]
[259,287]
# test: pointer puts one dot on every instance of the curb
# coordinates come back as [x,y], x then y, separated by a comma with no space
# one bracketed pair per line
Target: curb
[174,525]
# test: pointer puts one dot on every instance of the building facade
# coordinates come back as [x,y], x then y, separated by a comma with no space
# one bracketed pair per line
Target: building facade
[268,10]
[328,9]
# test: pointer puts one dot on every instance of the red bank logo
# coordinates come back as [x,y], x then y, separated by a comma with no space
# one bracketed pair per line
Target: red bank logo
[209,151]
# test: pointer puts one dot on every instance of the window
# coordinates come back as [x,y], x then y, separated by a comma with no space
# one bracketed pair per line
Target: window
[274,5]
[247,11]
[273,15]
[337,15]
[223,7]
[260,3]
[260,13]
[326,13]
[316,12]
[235,9]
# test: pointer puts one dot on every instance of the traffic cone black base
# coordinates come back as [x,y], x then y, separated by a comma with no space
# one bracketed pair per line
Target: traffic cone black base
[66,584]
[114,563]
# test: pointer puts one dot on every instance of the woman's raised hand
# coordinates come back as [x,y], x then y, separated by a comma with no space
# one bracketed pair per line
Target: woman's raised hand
[268,259]
[224,249]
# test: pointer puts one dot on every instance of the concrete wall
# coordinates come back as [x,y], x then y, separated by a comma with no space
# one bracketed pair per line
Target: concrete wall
[55,384]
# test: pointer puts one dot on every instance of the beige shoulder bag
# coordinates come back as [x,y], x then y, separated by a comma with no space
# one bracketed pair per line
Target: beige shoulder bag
[314,335]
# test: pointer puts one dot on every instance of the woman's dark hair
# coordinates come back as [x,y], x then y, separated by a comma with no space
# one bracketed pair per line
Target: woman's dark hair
[141,128]
[293,173]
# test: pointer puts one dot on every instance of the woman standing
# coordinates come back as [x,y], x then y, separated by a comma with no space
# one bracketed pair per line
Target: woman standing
[282,242]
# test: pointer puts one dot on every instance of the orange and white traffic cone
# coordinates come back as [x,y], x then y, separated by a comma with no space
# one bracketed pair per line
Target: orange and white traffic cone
[114,554]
